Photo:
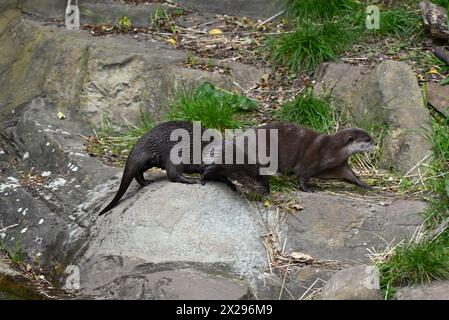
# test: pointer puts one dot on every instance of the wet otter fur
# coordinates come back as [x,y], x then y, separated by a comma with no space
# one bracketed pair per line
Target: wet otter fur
[309,154]
[153,150]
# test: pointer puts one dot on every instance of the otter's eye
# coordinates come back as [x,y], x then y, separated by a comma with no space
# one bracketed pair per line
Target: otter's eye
[349,139]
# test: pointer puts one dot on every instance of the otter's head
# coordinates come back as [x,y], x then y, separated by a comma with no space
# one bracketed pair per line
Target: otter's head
[354,140]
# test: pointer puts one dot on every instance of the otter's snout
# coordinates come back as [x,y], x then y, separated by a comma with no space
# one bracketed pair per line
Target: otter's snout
[370,144]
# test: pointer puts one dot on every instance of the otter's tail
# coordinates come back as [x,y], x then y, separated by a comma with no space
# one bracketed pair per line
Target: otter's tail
[127,178]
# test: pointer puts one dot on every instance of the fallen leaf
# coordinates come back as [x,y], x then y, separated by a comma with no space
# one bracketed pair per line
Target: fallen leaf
[296,207]
[432,71]
[61,115]
[299,256]
[215,32]
[266,203]
[265,77]
[172,41]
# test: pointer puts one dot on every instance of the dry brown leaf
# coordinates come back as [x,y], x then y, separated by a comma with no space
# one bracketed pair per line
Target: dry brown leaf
[296,207]
[303,257]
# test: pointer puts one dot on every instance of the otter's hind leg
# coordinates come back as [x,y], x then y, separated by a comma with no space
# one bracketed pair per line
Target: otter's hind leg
[141,180]
[174,173]
[211,174]
[304,185]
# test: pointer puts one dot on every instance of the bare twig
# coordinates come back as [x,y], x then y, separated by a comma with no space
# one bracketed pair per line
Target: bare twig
[270,18]
[11,226]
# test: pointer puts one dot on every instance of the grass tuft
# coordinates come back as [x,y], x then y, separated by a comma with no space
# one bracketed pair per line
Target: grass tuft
[399,21]
[428,259]
[214,107]
[16,254]
[414,263]
[439,209]
[310,111]
[309,45]
[322,30]
[323,9]
[117,142]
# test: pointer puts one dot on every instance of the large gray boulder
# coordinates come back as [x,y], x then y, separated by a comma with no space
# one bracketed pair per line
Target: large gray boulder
[171,226]
[438,96]
[437,290]
[388,95]
[332,227]
[355,283]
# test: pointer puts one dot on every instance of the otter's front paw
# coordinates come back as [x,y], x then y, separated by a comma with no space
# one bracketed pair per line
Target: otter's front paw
[305,187]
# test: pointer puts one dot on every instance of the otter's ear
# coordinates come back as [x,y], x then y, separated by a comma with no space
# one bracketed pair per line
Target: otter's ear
[349,139]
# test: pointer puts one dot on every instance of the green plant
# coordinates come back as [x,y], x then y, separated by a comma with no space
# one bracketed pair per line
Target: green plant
[428,259]
[309,44]
[322,30]
[399,21]
[439,170]
[414,263]
[162,20]
[214,107]
[443,3]
[124,24]
[326,9]
[310,111]
[117,142]
[284,183]
[16,254]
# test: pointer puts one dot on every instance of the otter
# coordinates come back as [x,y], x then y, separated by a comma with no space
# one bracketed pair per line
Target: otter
[309,154]
[153,150]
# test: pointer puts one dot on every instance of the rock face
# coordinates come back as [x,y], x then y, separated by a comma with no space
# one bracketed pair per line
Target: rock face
[438,97]
[94,11]
[437,290]
[355,283]
[92,78]
[435,19]
[257,9]
[109,11]
[45,70]
[334,228]
[8,4]
[183,284]
[389,96]
[191,229]
[13,284]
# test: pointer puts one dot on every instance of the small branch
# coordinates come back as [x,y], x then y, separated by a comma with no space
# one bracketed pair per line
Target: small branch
[270,18]
[11,226]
